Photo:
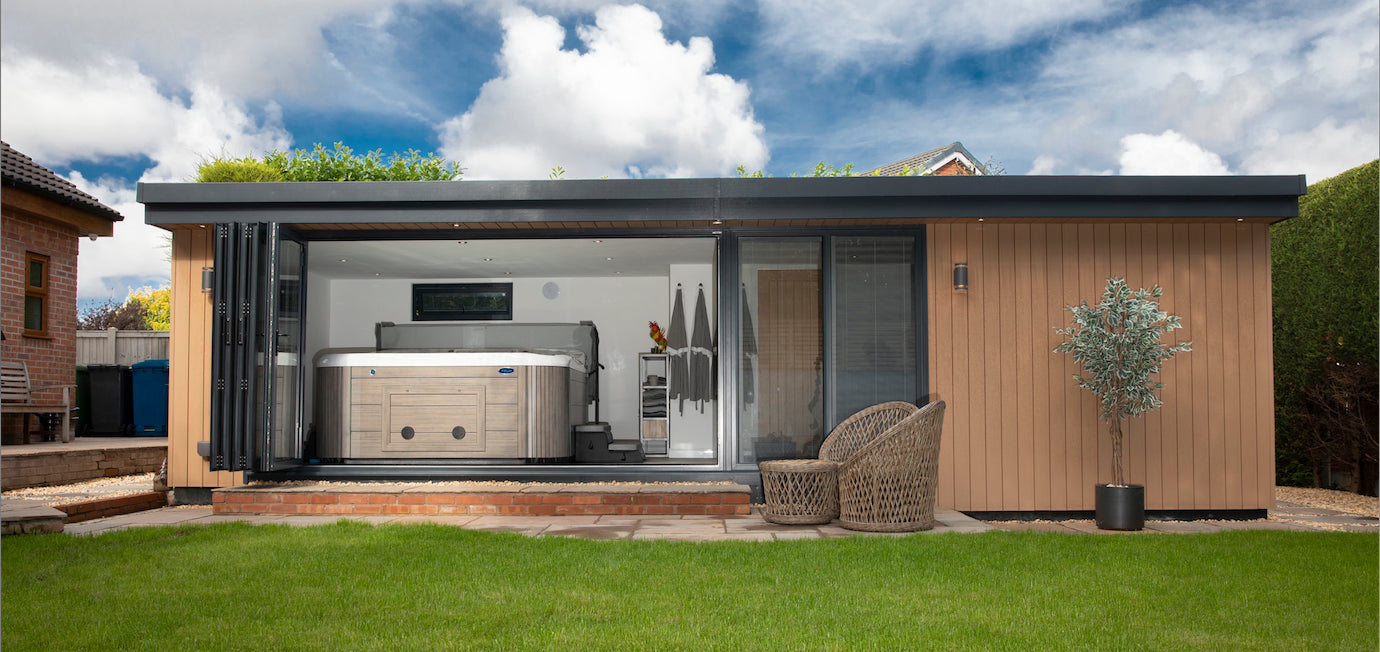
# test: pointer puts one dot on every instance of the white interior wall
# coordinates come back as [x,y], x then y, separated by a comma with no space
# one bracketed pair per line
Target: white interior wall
[317,324]
[692,431]
[620,308]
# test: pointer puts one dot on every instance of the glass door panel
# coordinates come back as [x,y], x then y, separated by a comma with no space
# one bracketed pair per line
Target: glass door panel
[872,326]
[780,371]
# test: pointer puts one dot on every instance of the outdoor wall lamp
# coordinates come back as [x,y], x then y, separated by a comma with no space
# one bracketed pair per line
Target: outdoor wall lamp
[961,277]
[208,279]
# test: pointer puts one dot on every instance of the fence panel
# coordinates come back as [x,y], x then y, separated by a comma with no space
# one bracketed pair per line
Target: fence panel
[121,347]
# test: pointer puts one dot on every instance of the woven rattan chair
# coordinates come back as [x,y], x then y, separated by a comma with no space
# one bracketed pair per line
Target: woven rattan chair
[857,431]
[806,491]
[889,484]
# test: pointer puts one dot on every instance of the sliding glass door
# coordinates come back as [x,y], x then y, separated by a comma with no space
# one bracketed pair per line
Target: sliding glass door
[827,326]
[872,336]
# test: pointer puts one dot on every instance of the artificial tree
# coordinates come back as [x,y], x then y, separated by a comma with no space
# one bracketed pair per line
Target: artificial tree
[1118,343]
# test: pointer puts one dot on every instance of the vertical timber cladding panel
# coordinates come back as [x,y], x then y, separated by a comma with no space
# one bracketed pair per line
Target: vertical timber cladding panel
[1210,446]
[940,308]
[189,362]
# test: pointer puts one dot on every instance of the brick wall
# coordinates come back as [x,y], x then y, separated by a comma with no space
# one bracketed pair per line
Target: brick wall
[952,169]
[31,469]
[50,361]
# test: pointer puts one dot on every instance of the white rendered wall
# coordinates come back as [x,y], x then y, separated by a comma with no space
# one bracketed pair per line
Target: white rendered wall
[620,308]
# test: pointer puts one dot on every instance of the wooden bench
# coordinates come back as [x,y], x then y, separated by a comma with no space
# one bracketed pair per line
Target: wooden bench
[16,397]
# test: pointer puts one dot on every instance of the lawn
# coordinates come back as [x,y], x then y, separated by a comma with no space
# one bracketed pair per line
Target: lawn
[354,586]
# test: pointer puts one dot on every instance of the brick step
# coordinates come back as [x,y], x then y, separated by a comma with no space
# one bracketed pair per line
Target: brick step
[507,498]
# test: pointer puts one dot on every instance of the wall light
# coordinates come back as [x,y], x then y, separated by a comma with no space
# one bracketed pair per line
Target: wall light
[961,277]
[208,279]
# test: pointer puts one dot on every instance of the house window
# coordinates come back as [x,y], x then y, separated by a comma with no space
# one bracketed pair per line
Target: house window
[35,295]
[462,301]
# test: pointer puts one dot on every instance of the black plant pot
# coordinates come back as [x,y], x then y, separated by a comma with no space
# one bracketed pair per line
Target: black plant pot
[1120,508]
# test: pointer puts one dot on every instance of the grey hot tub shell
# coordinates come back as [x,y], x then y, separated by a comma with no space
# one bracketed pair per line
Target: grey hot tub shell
[374,405]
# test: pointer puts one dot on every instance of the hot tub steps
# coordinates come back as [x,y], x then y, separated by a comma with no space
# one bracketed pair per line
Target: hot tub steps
[510,498]
[594,443]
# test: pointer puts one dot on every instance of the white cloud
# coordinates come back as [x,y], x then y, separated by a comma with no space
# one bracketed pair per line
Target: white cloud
[1168,153]
[630,104]
[1324,151]
[834,32]
[251,49]
[108,268]
[58,115]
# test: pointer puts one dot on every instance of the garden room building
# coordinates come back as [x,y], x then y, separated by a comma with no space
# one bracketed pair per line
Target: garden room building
[481,329]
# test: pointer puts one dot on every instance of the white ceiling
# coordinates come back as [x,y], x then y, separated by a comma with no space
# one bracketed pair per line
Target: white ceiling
[415,259]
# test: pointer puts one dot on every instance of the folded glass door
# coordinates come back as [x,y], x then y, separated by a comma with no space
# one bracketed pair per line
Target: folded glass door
[256,342]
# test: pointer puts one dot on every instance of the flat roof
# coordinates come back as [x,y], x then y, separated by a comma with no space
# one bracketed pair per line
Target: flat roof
[727,200]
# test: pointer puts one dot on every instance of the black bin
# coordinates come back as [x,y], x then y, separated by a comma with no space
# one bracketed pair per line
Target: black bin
[112,401]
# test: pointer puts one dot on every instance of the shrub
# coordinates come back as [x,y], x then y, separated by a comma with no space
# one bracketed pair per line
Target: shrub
[337,164]
[1324,267]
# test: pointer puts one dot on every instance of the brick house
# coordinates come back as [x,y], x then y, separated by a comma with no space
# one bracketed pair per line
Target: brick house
[951,160]
[43,216]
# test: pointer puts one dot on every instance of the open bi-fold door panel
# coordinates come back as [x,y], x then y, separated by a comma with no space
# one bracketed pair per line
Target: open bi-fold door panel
[256,345]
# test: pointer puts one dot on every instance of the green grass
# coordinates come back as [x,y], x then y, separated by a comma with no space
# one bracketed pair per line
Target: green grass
[353,586]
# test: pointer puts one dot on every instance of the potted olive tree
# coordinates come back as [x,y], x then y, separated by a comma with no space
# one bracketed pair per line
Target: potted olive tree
[1118,343]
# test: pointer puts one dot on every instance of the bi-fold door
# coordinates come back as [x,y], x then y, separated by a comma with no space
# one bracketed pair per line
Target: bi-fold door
[257,338]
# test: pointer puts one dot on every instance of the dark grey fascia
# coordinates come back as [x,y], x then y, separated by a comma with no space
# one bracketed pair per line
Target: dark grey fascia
[729,200]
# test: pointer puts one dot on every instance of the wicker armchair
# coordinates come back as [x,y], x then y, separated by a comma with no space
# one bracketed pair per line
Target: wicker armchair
[889,485]
[857,431]
[806,491]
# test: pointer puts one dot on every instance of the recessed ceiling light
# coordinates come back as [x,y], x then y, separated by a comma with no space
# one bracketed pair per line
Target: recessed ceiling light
[376,273]
[618,273]
[456,225]
[464,242]
[488,260]
[717,222]
[609,258]
[507,273]
[598,241]
[343,260]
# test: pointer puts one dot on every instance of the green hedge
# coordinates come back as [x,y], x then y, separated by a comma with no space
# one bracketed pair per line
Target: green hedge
[1324,266]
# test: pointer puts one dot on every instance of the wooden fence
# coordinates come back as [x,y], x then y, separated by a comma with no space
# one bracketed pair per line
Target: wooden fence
[114,346]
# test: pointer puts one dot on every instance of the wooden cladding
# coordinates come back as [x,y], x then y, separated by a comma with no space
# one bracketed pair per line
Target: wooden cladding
[189,365]
[1021,436]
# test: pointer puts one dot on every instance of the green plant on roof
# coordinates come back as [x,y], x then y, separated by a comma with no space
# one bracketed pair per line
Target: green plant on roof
[339,163]
[1118,343]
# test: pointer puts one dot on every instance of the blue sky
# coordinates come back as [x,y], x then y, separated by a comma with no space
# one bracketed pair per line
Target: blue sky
[110,94]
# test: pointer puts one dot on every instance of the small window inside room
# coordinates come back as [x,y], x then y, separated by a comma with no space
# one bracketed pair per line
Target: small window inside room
[36,295]
[462,301]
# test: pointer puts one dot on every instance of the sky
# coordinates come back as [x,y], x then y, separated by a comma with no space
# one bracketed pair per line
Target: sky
[109,94]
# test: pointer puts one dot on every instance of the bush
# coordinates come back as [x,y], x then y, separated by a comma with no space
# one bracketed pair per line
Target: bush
[1324,266]
[337,164]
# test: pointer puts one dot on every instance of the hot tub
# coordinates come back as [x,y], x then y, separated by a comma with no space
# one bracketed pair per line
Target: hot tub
[447,405]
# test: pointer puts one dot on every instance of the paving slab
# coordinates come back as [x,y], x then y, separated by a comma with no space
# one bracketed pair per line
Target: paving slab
[1182,527]
[437,519]
[598,532]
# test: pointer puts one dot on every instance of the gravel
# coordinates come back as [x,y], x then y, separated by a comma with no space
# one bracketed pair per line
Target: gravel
[1341,501]
[80,492]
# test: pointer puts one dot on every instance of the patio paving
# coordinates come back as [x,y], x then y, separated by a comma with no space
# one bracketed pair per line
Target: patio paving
[667,528]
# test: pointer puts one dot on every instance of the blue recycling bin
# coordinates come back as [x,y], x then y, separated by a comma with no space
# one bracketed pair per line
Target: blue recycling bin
[150,380]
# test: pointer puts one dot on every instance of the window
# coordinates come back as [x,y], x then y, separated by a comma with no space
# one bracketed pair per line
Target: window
[462,301]
[35,295]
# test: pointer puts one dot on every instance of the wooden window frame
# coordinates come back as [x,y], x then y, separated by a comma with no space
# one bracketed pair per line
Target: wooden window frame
[40,292]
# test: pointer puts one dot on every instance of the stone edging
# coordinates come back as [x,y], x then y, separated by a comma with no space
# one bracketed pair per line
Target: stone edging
[85,511]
